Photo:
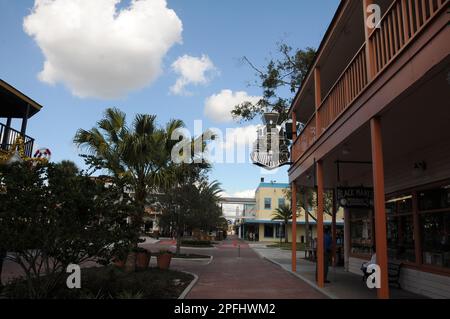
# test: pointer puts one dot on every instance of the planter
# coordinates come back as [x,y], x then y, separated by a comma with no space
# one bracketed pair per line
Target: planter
[119,263]
[142,260]
[164,261]
[130,265]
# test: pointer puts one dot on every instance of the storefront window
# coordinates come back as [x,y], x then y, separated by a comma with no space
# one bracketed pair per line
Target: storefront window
[279,231]
[400,229]
[361,231]
[438,198]
[436,238]
[268,231]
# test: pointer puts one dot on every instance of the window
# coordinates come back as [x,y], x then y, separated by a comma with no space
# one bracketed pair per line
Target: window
[268,231]
[361,231]
[400,228]
[279,231]
[267,203]
[434,212]
[281,202]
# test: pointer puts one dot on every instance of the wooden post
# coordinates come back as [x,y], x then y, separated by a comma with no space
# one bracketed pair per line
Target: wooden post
[417,230]
[379,205]
[294,136]
[23,129]
[333,229]
[294,226]
[320,235]
[6,133]
[307,234]
[318,100]
[369,50]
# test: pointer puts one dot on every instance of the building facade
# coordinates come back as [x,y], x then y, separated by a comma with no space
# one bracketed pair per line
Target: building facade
[375,105]
[259,224]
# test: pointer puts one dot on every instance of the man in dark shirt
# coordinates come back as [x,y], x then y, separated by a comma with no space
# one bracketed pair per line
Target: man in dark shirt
[328,244]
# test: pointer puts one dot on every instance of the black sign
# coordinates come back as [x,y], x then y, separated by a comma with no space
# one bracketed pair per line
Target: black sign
[355,197]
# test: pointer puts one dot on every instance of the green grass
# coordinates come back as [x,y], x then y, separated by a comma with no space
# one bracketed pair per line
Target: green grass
[288,246]
[113,283]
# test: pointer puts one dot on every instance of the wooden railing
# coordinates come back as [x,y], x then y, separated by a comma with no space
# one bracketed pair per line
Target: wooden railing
[8,137]
[348,86]
[402,21]
[306,138]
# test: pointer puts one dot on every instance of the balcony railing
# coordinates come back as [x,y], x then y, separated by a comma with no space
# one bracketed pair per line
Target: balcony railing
[8,137]
[399,26]
[401,23]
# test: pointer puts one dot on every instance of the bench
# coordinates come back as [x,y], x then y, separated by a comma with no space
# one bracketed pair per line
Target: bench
[394,273]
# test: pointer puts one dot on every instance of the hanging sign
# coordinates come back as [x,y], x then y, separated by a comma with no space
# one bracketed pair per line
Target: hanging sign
[271,149]
[355,197]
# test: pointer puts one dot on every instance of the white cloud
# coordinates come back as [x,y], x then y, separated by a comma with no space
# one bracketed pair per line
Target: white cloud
[218,107]
[99,51]
[192,71]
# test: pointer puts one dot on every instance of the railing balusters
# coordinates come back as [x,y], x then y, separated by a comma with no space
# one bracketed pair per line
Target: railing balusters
[399,26]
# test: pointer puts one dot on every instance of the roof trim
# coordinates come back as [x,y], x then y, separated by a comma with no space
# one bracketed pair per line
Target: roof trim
[325,39]
[20,95]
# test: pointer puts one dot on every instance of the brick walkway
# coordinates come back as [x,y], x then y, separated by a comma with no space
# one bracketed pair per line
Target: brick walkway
[229,276]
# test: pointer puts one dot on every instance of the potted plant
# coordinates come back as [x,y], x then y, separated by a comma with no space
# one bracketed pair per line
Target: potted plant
[120,259]
[164,257]
[142,258]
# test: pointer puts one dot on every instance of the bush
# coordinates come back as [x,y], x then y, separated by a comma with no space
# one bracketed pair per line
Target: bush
[113,283]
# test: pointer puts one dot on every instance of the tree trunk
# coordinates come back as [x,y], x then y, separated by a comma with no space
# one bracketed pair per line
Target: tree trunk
[286,237]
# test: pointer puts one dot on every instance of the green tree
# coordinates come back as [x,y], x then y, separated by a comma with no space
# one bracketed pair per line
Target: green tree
[279,80]
[283,213]
[139,154]
[51,217]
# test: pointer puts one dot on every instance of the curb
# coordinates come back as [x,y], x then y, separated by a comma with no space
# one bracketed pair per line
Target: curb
[209,260]
[190,286]
[309,282]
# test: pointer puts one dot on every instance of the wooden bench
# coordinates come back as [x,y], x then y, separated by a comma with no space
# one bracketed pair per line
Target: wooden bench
[394,273]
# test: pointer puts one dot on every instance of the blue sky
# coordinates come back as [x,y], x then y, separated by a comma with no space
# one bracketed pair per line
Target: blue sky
[224,31]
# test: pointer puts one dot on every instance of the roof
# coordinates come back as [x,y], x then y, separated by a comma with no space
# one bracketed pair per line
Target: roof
[14,103]
[274,185]
[277,222]
[237,200]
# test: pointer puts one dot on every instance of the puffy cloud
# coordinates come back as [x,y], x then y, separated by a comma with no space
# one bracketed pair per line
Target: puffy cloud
[248,193]
[192,71]
[98,50]
[218,107]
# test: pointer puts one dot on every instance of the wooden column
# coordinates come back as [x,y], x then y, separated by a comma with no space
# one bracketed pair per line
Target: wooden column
[294,136]
[6,133]
[307,234]
[318,99]
[294,226]
[320,235]
[23,129]
[417,230]
[370,62]
[379,205]
[333,229]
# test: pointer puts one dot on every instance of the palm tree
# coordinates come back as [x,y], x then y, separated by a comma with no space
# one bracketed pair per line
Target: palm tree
[283,213]
[139,156]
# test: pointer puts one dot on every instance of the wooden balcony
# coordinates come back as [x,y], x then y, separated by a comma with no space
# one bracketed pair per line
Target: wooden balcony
[8,136]
[401,24]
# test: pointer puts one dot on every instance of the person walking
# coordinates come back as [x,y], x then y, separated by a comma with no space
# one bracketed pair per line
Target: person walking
[327,243]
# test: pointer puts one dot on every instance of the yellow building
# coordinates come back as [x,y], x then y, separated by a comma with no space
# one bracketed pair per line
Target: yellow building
[261,227]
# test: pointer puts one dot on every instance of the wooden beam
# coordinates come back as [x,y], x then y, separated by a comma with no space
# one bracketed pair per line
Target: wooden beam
[294,226]
[333,229]
[318,99]
[320,235]
[379,205]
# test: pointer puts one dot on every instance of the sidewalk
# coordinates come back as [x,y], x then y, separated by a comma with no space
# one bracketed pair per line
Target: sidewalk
[237,272]
[344,285]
